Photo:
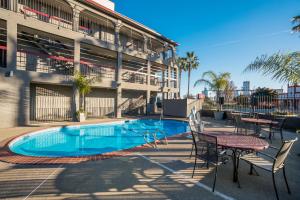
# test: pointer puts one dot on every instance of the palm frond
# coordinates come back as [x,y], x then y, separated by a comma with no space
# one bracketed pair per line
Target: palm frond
[296,19]
[203,81]
[296,28]
[281,67]
[211,74]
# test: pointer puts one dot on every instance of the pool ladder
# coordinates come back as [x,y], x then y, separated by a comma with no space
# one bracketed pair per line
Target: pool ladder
[147,135]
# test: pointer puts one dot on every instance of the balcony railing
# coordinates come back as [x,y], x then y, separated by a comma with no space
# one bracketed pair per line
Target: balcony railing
[173,84]
[5,4]
[134,77]
[97,71]
[55,12]
[2,47]
[32,61]
[97,27]
[46,54]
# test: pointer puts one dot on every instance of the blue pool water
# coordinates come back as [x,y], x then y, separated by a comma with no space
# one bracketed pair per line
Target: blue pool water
[93,139]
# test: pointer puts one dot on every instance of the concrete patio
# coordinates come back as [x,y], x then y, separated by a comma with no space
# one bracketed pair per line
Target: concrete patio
[164,173]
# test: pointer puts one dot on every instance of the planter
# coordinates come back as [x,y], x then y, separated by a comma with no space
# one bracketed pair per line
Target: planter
[81,117]
[218,115]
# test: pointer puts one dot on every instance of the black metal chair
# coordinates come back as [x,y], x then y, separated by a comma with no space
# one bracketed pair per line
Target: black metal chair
[271,164]
[206,149]
[241,127]
[289,124]
[195,126]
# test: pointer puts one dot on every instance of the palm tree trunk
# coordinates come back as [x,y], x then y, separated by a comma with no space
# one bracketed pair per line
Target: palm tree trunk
[189,76]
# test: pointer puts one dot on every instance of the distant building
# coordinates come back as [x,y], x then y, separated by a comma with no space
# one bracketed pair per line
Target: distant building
[291,99]
[246,88]
[293,92]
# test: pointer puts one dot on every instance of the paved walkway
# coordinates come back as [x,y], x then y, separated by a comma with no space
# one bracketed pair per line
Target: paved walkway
[146,174]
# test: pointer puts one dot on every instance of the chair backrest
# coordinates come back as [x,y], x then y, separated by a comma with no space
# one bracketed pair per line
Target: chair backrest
[237,120]
[207,148]
[283,153]
[289,124]
[198,116]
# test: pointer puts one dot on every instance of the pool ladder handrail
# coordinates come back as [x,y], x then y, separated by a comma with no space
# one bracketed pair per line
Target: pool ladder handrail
[154,135]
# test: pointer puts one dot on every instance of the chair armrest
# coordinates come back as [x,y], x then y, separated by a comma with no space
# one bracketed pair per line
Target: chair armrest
[267,155]
[272,147]
[221,153]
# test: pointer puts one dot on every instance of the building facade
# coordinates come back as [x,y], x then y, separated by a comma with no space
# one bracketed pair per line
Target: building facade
[246,88]
[44,42]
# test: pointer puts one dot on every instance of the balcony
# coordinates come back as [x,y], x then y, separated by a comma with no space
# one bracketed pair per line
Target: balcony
[57,12]
[94,64]
[2,46]
[5,4]
[44,53]
[134,71]
[97,27]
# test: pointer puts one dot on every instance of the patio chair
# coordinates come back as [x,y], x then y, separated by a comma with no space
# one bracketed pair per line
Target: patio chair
[271,164]
[241,127]
[289,124]
[194,127]
[206,149]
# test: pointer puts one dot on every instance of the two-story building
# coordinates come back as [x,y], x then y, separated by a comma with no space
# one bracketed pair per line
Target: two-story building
[44,42]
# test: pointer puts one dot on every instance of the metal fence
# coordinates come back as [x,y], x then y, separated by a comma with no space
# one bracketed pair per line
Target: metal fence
[281,103]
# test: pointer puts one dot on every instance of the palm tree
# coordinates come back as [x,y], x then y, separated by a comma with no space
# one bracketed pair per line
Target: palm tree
[216,82]
[191,62]
[84,86]
[181,64]
[296,19]
[282,67]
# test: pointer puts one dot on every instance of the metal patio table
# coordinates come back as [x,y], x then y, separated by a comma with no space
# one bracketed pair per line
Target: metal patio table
[259,122]
[238,144]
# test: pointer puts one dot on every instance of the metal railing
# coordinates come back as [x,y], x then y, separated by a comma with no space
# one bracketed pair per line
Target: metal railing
[134,77]
[51,11]
[3,47]
[278,104]
[44,54]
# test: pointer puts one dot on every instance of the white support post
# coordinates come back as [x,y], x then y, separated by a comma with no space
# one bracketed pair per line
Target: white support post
[118,80]
[76,96]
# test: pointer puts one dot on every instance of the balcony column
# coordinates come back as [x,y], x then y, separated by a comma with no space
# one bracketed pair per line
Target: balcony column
[12,35]
[175,67]
[76,14]
[148,95]
[76,96]
[118,80]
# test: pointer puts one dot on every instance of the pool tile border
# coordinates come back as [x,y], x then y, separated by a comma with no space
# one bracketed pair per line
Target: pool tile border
[6,155]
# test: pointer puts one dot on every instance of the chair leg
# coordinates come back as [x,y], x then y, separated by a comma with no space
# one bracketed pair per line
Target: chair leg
[274,184]
[251,169]
[285,179]
[215,179]
[194,166]
[192,150]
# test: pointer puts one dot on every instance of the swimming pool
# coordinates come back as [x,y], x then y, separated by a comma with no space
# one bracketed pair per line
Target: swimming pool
[85,140]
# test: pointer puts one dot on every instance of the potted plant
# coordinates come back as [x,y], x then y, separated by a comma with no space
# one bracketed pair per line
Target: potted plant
[217,83]
[83,85]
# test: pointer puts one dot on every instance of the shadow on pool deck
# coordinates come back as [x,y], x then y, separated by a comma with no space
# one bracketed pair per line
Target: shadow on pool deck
[134,177]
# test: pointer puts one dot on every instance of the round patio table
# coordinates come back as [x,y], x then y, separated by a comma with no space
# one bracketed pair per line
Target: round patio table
[258,122]
[239,144]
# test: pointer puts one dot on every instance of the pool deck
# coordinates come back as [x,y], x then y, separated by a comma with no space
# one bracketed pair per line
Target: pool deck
[147,173]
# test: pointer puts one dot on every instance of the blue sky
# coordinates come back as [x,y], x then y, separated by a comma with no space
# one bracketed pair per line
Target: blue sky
[225,34]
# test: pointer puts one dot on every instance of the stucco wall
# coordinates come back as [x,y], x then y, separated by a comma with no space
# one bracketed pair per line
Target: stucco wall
[14,101]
